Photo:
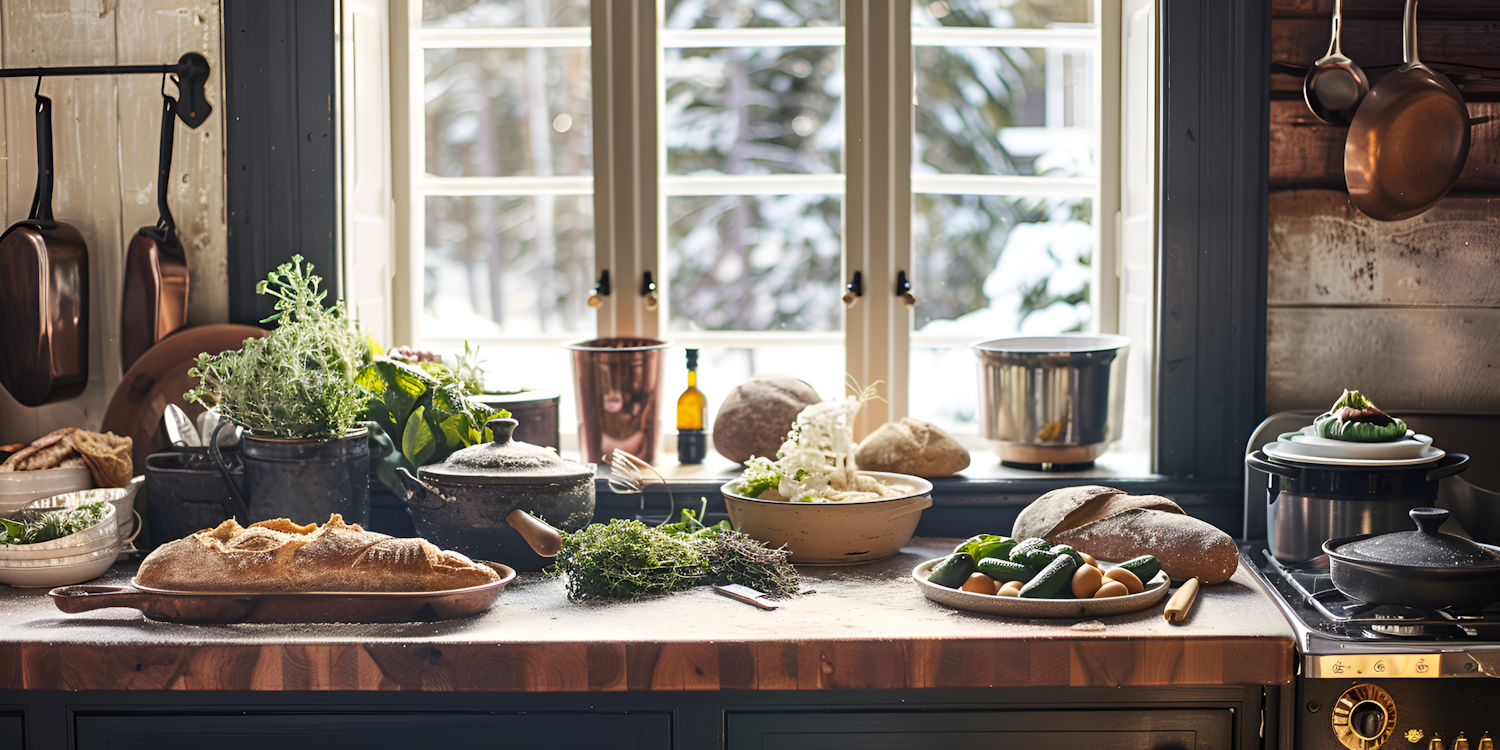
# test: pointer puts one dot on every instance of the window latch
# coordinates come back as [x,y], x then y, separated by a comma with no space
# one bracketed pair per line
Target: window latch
[648,290]
[856,287]
[601,289]
[903,289]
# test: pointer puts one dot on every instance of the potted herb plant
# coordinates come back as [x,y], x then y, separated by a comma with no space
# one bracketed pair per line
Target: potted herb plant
[296,393]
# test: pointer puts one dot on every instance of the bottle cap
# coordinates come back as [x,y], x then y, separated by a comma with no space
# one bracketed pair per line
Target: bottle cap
[692,356]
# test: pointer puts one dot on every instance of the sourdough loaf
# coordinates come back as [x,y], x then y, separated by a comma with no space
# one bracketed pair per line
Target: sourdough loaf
[1112,525]
[279,555]
[914,447]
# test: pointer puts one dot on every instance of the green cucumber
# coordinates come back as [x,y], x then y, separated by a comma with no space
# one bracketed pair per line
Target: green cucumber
[1040,557]
[1005,570]
[953,570]
[1054,580]
[1018,553]
[1144,567]
[1067,549]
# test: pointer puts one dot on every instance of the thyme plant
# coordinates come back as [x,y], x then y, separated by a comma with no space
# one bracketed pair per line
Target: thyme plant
[298,381]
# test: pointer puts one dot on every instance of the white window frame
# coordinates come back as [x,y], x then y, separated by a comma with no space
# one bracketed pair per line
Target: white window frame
[877,183]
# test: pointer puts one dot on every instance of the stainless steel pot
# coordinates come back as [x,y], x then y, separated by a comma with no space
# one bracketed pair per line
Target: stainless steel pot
[1308,504]
[1052,399]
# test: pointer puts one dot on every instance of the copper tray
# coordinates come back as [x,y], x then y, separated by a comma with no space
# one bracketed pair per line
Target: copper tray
[290,606]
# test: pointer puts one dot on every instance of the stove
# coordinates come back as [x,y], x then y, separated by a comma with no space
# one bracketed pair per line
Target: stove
[1380,676]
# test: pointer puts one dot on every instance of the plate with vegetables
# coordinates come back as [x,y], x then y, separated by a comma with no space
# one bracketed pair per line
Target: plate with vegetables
[999,575]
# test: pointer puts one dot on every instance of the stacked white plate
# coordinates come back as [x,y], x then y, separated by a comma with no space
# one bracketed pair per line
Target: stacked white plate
[1306,446]
[78,557]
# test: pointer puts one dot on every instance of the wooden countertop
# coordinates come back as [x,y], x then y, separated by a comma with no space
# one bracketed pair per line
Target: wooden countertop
[863,627]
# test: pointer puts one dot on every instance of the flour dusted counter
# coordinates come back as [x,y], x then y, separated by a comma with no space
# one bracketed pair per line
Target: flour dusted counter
[864,656]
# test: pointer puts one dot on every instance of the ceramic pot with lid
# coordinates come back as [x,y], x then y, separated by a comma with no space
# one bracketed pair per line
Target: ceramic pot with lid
[1426,568]
[1308,504]
[504,501]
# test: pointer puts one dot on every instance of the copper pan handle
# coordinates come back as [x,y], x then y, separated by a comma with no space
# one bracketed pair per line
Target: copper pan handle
[544,539]
[76,599]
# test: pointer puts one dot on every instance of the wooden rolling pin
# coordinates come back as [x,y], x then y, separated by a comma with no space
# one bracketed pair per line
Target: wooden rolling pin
[1181,602]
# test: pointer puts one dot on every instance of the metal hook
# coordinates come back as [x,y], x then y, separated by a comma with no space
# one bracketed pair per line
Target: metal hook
[648,290]
[903,289]
[38,93]
[601,289]
[856,287]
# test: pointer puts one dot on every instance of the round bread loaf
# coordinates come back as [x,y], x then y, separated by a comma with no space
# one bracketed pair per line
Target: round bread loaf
[914,447]
[756,416]
[279,555]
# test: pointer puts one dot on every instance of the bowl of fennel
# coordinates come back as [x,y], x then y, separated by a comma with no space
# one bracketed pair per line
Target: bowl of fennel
[814,501]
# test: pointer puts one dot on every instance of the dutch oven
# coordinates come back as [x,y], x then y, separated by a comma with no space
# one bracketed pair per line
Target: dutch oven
[1308,504]
[1426,569]
[504,500]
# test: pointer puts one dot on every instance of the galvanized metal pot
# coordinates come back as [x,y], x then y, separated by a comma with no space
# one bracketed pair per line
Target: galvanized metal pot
[1052,399]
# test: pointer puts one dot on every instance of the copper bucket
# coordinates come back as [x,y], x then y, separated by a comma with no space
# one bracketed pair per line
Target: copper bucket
[619,395]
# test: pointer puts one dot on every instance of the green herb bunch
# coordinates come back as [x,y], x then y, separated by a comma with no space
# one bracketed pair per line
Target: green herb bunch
[33,526]
[298,381]
[421,412]
[628,560]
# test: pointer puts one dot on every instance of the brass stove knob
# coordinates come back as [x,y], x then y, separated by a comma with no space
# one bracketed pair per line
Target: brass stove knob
[1485,743]
[1462,743]
[1436,743]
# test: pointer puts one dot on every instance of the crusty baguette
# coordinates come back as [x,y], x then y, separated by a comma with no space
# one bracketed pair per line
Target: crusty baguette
[1186,546]
[279,555]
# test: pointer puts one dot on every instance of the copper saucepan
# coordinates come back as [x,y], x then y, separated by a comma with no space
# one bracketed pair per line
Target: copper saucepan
[1409,139]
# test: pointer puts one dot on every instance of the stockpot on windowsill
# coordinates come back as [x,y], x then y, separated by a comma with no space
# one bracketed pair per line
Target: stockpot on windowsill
[1308,504]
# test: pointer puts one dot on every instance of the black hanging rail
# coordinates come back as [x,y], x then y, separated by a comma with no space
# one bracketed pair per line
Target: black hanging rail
[191,75]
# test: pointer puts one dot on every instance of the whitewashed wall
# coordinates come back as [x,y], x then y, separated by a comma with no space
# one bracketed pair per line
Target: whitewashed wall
[105,135]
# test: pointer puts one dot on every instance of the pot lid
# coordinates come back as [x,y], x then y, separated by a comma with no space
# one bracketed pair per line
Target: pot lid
[505,461]
[1425,548]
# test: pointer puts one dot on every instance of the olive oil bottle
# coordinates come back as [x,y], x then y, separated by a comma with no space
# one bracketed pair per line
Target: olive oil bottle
[692,442]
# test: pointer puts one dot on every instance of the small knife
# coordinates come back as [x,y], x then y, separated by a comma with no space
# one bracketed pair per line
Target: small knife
[746,595]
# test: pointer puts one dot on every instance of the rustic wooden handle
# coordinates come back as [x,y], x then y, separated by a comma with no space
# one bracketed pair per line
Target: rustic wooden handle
[544,539]
[916,504]
[75,599]
[1181,602]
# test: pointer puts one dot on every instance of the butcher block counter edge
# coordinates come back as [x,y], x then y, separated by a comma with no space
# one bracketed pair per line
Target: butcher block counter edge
[865,627]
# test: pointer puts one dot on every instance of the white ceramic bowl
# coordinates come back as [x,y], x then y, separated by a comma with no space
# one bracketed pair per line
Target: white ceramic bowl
[108,528]
[20,488]
[1307,443]
[25,552]
[62,558]
[61,575]
[836,533]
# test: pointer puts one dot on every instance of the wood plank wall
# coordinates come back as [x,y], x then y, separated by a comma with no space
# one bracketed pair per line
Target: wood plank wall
[1407,311]
[105,134]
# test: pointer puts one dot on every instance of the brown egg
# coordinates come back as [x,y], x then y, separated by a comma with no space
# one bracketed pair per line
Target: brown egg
[1011,588]
[980,583]
[1111,589]
[1086,580]
[1088,558]
[1131,581]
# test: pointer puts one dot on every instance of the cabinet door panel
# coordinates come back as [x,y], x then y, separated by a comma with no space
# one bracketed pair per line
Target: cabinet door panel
[1163,729]
[10,731]
[375,732]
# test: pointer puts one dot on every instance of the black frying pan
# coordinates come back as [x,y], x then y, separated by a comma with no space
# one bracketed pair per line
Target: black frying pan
[44,293]
[156,274]
[1396,580]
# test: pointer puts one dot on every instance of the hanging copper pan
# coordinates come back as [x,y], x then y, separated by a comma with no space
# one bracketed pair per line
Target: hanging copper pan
[1409,138]
[44,293]
[156,274]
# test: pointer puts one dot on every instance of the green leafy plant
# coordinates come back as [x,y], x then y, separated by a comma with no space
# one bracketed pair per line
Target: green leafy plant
[33,526]
[420,413]
[298,381]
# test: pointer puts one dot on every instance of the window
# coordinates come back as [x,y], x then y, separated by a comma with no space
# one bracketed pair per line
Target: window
[752,156]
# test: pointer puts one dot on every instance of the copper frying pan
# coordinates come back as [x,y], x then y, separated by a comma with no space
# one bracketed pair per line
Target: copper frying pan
[44,293]
[1409,138]
[156,274]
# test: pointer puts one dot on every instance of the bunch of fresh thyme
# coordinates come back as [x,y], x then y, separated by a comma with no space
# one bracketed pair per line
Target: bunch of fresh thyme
[628,560]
